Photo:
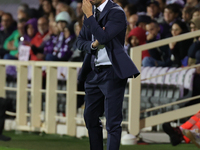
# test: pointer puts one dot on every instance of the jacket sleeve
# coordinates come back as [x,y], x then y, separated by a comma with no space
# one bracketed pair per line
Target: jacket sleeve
[82,43]
[116,22]
[10,38]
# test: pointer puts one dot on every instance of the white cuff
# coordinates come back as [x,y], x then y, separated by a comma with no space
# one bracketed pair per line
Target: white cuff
[92,48]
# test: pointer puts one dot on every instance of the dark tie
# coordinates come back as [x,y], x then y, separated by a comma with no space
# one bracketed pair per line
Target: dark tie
[97,14]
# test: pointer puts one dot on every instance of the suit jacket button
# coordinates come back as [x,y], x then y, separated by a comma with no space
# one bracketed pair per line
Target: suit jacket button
[88,26]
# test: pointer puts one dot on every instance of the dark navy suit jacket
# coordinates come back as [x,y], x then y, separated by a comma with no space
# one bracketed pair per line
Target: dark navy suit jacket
[114,20]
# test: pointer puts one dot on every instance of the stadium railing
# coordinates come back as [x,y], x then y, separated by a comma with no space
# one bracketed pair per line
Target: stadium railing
[134,123]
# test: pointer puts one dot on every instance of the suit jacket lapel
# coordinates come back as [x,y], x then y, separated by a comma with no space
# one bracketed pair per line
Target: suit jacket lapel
[105,10]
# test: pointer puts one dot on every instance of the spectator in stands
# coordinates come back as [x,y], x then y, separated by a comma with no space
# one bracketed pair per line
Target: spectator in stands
[137,37]
[42,25]
[129,10]
[171,14]
[142,21]
[160,56]
[22,17]
[61,6]
[162,5]
[8,25]
[153,11]
[30,31]
[49,41]
[63,53]
[132,18]
[77,54]
[12,42]
[47,47]
[196,13]
[48,10]
[187,14]
[179,50]
[63,19]
[195,47]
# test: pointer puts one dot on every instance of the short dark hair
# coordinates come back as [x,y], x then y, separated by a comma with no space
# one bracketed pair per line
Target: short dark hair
[182,25]
[174,8]
[154,21]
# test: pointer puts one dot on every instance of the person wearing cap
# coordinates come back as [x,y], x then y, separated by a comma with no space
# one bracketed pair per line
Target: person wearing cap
[153,10]
[137,37]
[63,20]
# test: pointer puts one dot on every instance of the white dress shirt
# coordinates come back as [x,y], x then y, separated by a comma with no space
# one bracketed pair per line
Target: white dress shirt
[102,56]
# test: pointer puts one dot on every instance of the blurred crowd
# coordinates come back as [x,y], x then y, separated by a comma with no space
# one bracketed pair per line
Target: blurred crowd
[51,30]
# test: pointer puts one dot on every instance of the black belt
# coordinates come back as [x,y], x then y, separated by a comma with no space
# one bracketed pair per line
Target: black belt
[101,67]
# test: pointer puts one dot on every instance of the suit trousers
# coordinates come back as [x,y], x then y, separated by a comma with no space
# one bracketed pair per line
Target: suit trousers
[104,93]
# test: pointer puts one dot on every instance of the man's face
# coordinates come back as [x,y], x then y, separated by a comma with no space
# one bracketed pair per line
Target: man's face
[195,15]
[97,2]
[152,10]
[42,26]
[169,15]
[132,21]
[134,41]
[6,21]
[152,29]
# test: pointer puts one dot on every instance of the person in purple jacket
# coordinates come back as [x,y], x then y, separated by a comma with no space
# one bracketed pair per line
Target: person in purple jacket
[30,31]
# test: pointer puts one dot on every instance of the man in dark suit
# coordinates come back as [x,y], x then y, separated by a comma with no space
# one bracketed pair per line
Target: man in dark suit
[105,69]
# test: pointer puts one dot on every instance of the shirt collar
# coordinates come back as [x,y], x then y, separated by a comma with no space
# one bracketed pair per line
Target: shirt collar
[102,6]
